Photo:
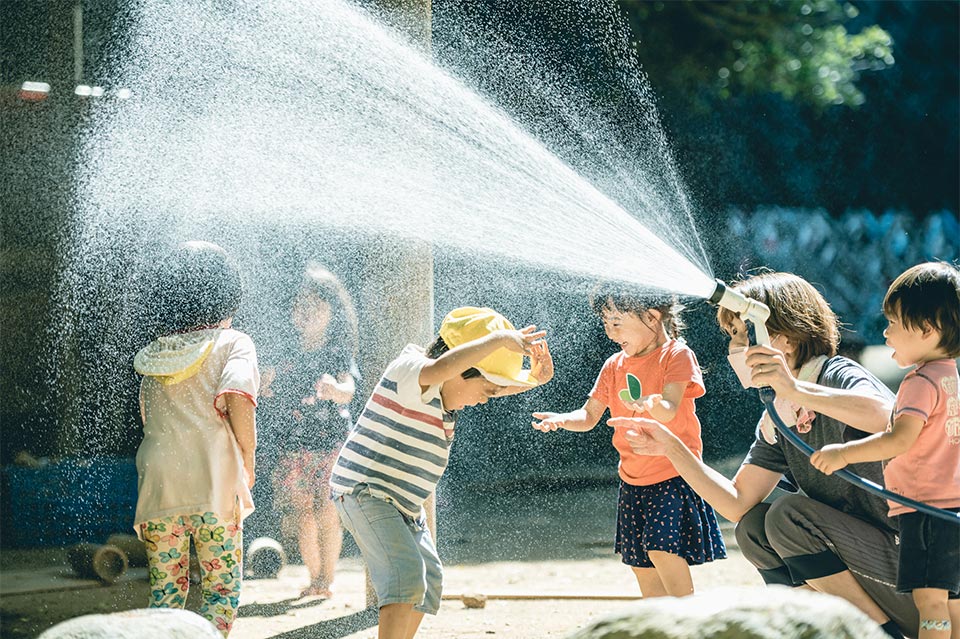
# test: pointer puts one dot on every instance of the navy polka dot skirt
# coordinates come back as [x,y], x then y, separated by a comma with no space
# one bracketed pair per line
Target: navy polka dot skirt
[667,516]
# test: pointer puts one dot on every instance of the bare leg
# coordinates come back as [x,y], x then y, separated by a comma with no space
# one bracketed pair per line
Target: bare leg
[414,624]
[397,621]
[843,585]
[934,613]
[308,537]
[330,543]
[649,581]
[674,573]
[953,605]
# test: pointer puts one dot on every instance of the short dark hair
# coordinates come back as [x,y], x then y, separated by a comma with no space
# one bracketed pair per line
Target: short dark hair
[928,296]
[797,311]
[197,285]
[609,296]
[438,347]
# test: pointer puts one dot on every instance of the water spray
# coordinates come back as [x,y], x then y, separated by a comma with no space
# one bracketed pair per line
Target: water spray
[757,313]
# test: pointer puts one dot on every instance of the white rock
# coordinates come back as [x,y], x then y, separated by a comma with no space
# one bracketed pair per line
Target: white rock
[775,612]
[143,623]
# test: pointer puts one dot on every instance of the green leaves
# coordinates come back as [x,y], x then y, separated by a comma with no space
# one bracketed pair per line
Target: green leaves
[800,49]
[633,391]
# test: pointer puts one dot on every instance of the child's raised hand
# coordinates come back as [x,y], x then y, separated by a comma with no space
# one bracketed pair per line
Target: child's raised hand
[548,422]
[541,362]
[521,341]
[829,459]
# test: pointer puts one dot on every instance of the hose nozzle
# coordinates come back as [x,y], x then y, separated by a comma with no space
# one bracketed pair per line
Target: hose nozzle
[748,309]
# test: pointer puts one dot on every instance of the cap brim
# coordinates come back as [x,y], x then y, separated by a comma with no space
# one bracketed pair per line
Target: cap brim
[524,379]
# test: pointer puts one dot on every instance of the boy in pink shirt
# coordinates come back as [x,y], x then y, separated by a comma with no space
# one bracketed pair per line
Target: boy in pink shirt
[922,308]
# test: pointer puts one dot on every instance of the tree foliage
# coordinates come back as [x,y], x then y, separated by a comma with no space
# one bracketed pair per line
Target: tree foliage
[801,49]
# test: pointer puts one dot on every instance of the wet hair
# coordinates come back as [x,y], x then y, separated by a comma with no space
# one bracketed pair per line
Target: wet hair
[797,311]
[928,296]
[198,285]
[343,329]
[438,347]
[605,297]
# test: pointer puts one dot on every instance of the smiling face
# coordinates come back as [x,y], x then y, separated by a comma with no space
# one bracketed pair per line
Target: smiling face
[635,335]
[910,345]
[458,393]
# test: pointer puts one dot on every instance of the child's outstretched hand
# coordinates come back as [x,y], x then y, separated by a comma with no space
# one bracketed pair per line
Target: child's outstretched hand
[646,403]
[829,459]
[326,386]
[541,362]
[548,422]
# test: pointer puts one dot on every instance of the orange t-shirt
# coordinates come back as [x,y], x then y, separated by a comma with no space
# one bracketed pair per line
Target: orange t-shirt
[672,362]
[930,470]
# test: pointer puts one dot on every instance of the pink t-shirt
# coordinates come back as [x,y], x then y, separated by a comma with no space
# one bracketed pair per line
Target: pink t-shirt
[672,362]
[930,470]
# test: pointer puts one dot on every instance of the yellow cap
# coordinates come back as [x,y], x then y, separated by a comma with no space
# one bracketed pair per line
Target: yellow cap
[503,366]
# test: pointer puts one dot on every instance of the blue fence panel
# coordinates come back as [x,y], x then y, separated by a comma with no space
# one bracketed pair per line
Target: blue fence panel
[70,501]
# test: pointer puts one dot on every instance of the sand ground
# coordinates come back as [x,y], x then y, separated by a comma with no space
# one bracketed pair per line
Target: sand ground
[546,565]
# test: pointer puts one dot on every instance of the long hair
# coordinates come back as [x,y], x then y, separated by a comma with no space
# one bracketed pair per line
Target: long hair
[797,311]
[343,328]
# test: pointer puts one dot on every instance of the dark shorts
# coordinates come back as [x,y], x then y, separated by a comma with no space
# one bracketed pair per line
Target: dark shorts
[667,516]
[929,554]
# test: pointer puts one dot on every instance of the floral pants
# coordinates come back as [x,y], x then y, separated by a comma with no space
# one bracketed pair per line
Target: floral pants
[219,543]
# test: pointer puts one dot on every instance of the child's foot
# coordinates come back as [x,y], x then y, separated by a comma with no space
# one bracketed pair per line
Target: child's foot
[317,589]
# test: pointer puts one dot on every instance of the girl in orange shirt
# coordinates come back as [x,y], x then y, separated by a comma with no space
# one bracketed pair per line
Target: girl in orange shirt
[663,526]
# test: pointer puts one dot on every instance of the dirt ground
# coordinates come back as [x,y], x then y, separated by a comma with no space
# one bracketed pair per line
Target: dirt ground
[546,571]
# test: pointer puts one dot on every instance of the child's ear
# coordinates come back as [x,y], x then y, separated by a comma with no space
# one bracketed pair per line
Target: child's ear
[927,329]
[654,314]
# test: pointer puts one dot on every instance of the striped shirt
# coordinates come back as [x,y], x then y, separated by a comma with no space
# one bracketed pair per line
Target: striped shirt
[400,444]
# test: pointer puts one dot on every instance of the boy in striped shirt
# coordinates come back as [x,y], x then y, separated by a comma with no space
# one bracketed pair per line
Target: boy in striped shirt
[400,444]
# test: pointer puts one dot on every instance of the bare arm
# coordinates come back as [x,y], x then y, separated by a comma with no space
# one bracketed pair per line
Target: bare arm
[877,447]
[459,359]
[578,421]
[732,499]
[241,414]
[868,413]
[662,406]
[856,408]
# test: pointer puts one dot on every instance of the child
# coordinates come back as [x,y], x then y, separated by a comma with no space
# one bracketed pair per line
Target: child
[922,308]
[399,447]
[662,524]
[196,461]
[305,397]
